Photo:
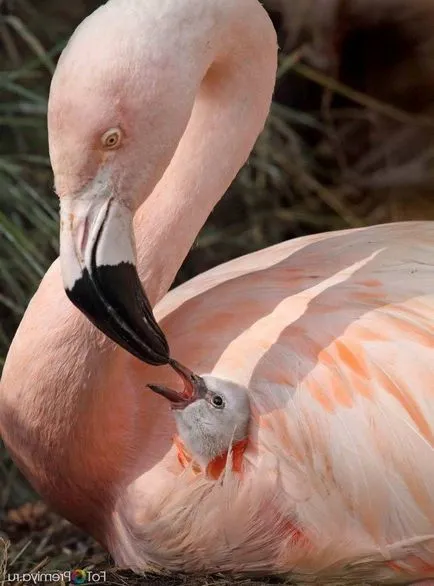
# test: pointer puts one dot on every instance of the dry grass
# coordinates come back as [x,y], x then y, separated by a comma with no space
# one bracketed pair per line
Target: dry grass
[338,159]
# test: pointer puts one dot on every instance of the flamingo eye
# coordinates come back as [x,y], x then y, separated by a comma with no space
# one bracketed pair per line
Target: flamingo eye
[111,139]
[217,401]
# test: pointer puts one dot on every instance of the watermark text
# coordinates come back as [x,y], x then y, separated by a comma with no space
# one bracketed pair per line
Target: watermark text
[66,576]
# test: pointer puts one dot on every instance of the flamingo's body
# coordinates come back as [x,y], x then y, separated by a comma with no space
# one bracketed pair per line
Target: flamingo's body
[333,335]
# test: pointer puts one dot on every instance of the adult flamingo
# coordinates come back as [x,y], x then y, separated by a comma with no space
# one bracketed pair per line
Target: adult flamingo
[160,102]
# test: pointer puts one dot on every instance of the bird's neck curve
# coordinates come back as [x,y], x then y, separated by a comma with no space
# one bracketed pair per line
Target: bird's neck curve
[229,112]
[70,400]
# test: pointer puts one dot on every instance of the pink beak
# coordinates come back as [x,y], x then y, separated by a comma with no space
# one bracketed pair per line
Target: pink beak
[194,387]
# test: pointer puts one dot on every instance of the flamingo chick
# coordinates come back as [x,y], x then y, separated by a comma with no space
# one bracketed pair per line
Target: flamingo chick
[211,422]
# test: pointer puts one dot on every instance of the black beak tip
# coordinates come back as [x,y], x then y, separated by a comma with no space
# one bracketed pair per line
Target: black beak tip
[155,389]
[112,298]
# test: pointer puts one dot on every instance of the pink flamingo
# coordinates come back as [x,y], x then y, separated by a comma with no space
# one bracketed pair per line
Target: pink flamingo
[154,107]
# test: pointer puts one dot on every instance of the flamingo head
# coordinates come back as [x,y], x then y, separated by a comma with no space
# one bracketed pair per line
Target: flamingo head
[115,117]
[211,418]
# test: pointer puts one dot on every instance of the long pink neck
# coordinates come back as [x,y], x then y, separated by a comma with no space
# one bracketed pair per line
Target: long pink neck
[73,407]
[229,113]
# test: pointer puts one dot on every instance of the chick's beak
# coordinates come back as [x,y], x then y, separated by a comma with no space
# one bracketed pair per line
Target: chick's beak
[99,272]
[194,387]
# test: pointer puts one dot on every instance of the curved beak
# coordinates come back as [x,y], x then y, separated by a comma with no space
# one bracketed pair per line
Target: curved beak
[194,388]
[99,273]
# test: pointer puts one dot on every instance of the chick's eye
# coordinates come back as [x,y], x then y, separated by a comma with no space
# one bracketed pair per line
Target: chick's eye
[111,139]
[218,401]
